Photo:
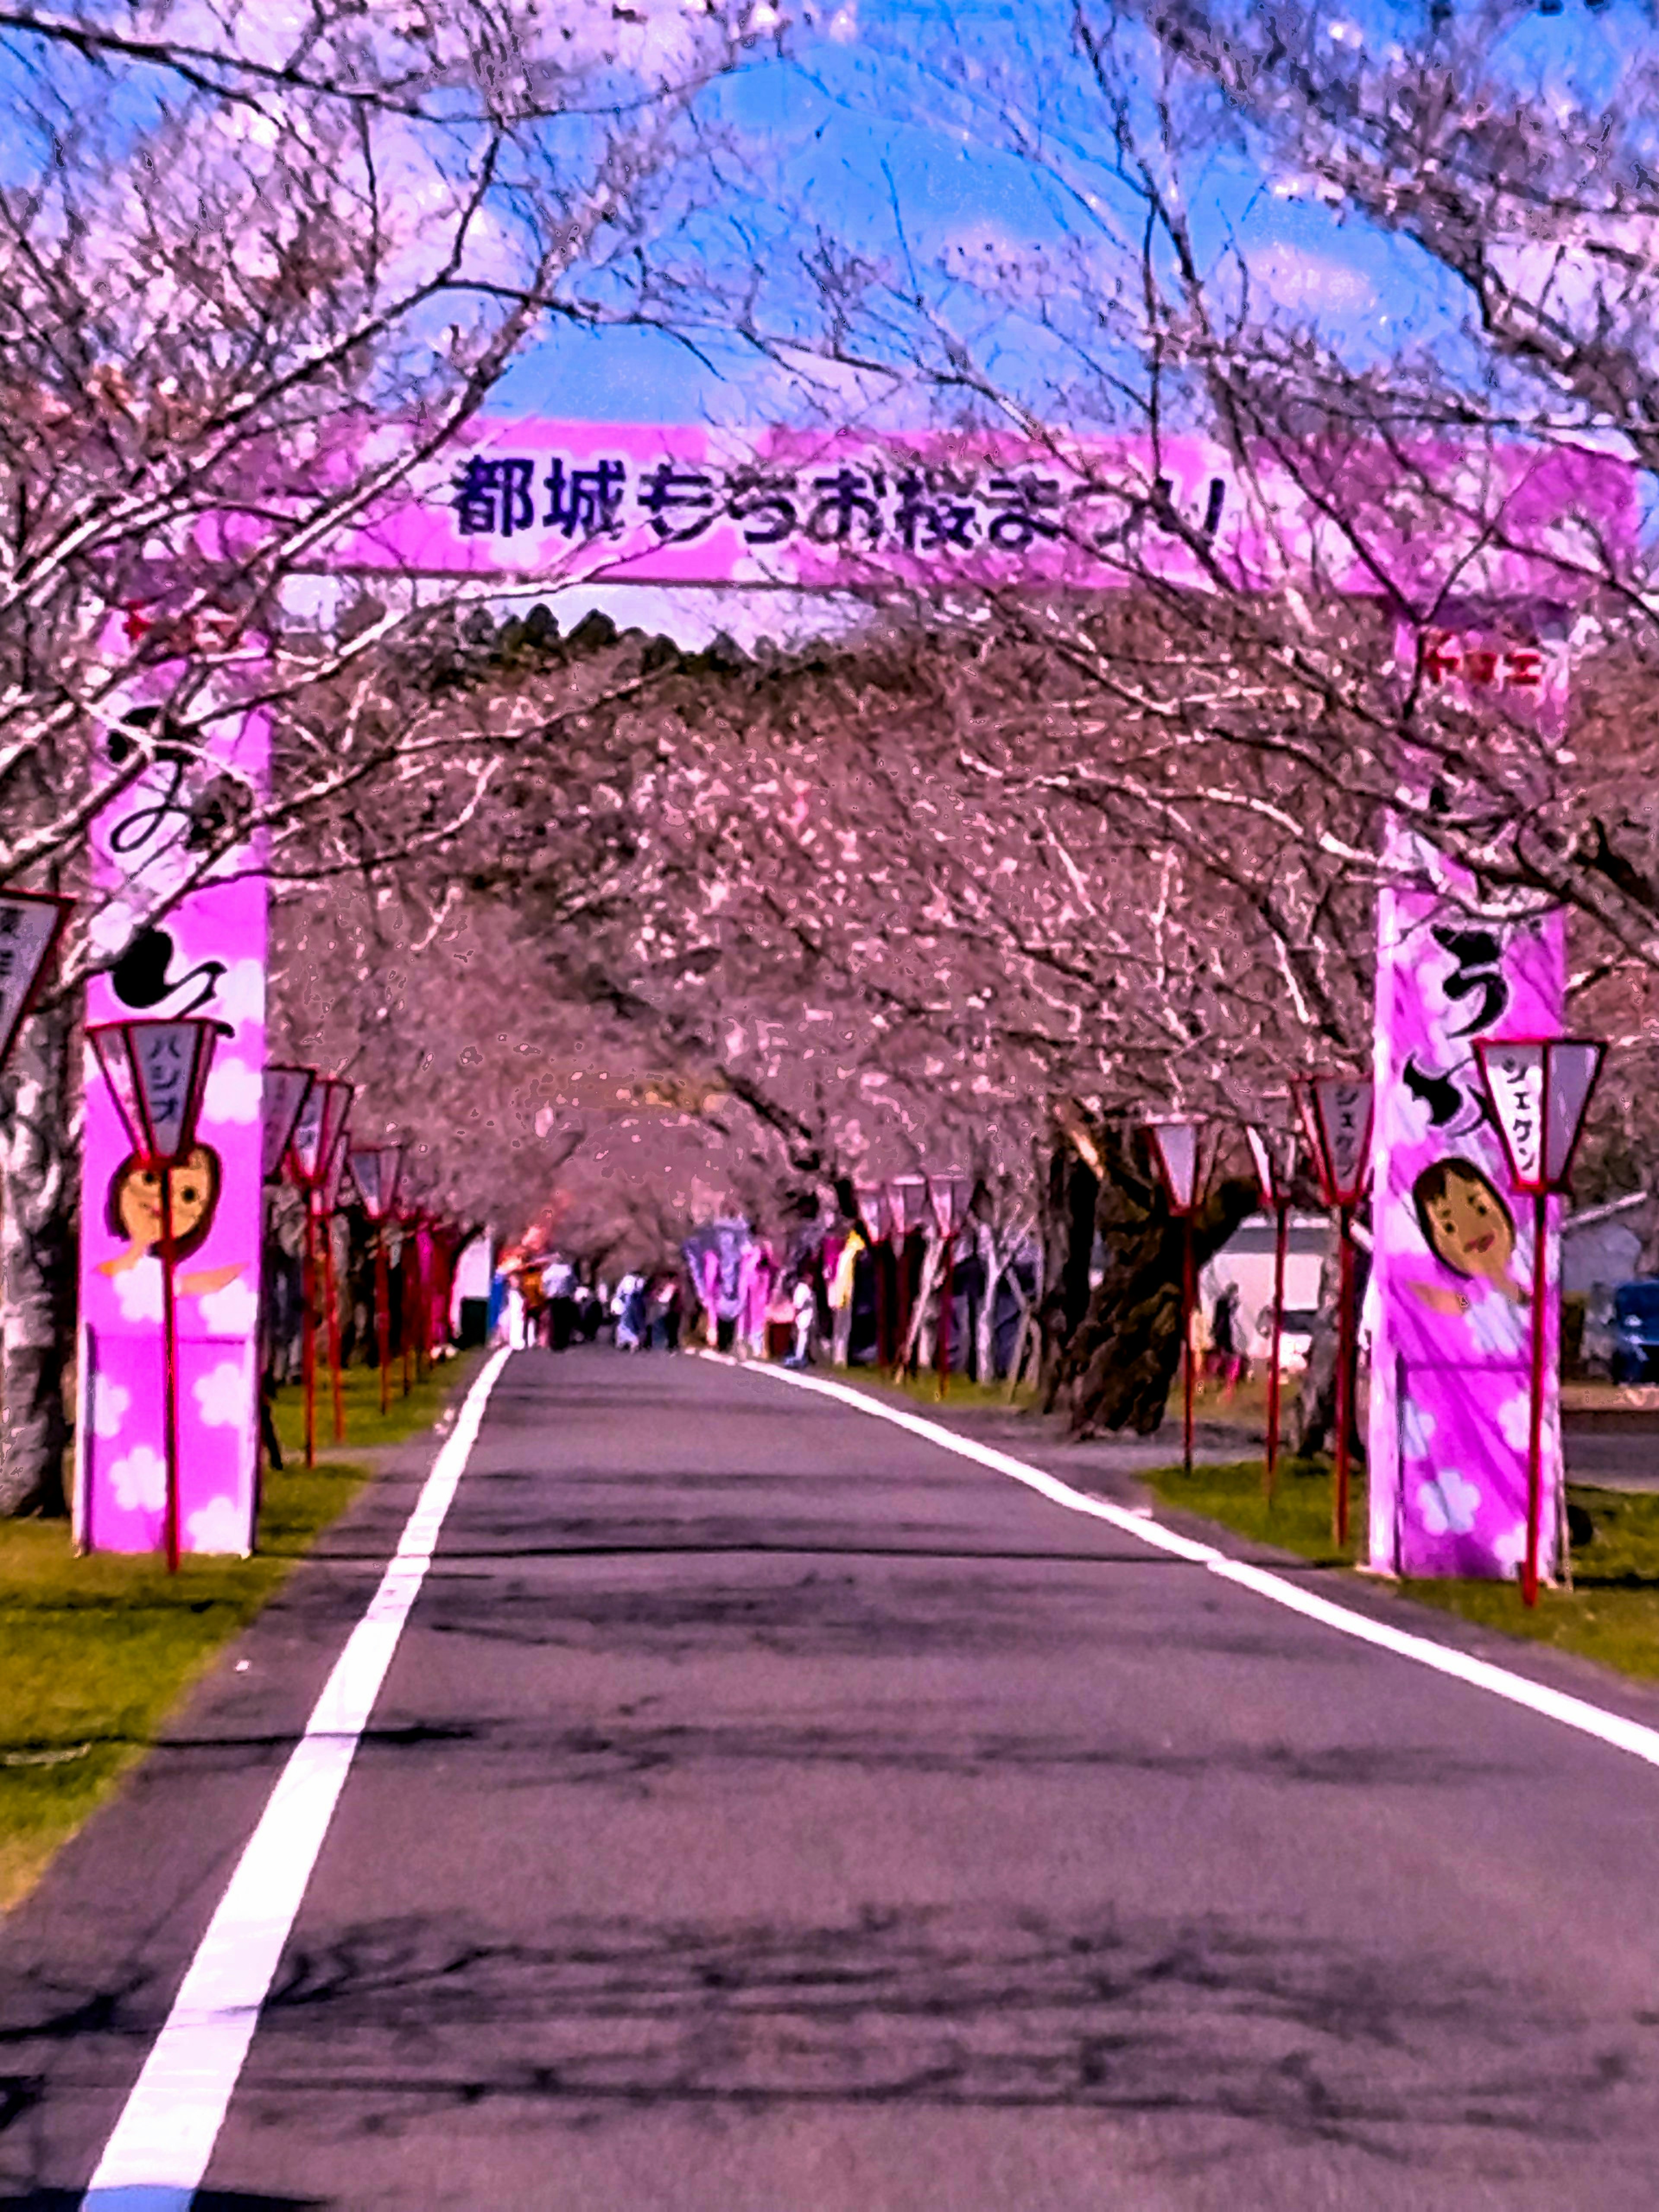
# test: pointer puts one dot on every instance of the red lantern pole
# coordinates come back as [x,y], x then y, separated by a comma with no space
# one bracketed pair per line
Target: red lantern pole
[1183,1155]
[170,1357]
[331,1292]
[157,1071]
[1540,1090]
[308,1356]
[947,1300]
[1535,1421]
[411,1251]
[1337,1114]
[1347,1354]
[383,1315]
[1188,1307]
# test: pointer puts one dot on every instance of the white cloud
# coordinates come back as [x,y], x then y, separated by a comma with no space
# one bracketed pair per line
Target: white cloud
[1511,1548]
[231,1311]
[219,1526]
[110,1401]
[241,993]
[138,1291]
[111,927]
[223,1396]
[1515,1419]
[1447,1504]
[1299,279]
[140,1480]
[235,1092]
[1416,1429]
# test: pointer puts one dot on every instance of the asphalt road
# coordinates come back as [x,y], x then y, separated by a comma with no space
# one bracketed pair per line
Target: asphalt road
[766,1811]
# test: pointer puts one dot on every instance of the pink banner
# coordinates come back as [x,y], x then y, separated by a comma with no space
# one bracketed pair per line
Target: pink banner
[1454,1270]
[550,503]
[207,957]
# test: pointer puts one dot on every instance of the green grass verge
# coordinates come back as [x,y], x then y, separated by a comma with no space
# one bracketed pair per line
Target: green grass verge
[94,1653]
[923,1389]
[1611,1613]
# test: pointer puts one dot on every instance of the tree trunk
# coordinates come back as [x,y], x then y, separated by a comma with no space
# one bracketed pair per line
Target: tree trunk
[1118,1367]
[38,1193]
[992,1264]
[1071,1195]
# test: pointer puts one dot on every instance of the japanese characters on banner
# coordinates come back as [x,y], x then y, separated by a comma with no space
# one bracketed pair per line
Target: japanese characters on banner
[628,503]
[1454,1268]
[206,958]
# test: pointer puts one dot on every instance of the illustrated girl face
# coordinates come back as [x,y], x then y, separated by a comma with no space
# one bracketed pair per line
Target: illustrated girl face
[195,1188]
[1467,1225]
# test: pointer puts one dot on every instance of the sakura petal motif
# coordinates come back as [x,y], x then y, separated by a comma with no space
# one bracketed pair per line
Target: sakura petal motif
[140,1480]
[1447,1504]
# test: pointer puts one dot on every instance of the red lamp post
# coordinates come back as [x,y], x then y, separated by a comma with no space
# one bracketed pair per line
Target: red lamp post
[1274,1152]
[410,1219]
[318,1134]
[1540,1089]
[31,924]
[158,1072]
[375,1172]
[949,1194]
[328,1208]
[1183,1156]
[1336,1115]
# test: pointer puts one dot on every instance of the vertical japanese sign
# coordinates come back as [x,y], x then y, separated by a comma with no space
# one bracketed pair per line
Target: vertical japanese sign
[1454,1271]
[205,957]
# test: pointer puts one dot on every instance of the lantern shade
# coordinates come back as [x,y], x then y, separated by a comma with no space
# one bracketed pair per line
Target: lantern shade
[1540,1090]
[31,923]
[328,1184]
[1336,1110]
[950,1193]
[907,1200]
[375,1171]
[1274,1152]
[286,1090]
[872,1211]
[1178,1155]
[158,1072]
[1572,1068]
[318,1130]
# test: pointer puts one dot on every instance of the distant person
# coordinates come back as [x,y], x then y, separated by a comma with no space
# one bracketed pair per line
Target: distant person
[664,1313]
[1225,1331]
[843,1267]
[804,1299]
[630,1313]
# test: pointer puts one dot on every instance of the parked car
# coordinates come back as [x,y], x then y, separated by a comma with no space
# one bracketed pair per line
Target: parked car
[1295,1335]
[1636,1331]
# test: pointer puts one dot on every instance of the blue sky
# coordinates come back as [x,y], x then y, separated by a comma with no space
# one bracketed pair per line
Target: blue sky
[848,123]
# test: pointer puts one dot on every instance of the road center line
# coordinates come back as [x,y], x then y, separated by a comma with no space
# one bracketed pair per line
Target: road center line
[159,2150]
[1608,1728]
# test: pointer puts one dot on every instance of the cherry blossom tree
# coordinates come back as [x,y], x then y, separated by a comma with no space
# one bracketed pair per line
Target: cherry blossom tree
[255,269]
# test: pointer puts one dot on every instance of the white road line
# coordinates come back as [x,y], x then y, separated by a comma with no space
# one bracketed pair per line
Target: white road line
[158,2152]
[1608,1728]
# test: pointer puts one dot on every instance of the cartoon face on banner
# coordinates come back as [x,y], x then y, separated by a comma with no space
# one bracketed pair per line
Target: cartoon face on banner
[207,957]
